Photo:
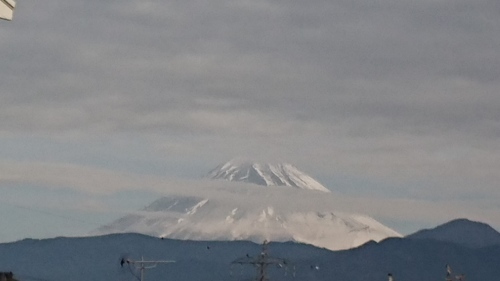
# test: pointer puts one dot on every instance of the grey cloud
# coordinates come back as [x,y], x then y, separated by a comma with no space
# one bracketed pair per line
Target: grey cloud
[97,184]
[337,82]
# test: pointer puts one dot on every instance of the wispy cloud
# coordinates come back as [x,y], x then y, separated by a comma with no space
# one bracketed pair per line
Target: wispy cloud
[100,186]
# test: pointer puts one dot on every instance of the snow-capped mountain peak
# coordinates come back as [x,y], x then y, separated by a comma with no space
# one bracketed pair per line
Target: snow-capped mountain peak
[266,174]
[238,211]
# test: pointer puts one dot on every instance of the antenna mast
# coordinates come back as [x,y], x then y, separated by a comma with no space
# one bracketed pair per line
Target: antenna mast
[262,262]
[449,275]
[142,265]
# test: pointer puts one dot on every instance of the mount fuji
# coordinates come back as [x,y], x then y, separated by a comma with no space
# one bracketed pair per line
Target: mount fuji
[266,174]
[227,211]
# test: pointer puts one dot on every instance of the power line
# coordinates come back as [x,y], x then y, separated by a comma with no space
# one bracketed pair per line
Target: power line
[29,278]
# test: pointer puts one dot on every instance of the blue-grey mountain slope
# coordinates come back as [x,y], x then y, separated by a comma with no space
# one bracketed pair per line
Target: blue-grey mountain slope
[461,231]
[97,258]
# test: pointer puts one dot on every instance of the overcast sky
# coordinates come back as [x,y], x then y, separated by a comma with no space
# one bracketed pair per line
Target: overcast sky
[105,105]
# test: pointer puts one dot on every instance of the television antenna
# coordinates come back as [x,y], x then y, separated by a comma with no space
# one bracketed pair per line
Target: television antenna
[142,265]
[449,275]
[7,9]
[262,262]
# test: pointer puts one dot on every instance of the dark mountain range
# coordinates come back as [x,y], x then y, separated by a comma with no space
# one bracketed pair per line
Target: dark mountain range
[98,258]
[461,231]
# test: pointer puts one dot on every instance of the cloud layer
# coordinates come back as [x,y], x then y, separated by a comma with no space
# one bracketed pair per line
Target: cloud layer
[401,95]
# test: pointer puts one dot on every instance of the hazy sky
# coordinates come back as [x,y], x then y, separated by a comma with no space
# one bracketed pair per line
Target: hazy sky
[105,105]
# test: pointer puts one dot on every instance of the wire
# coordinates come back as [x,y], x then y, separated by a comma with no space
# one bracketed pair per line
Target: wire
[132,271]
[28,278]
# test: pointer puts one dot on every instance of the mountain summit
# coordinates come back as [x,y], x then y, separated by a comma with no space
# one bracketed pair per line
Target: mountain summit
[461,231]
[266,174]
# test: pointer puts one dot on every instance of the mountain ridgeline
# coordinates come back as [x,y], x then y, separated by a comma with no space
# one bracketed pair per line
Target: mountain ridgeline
[98,258]
[461,231]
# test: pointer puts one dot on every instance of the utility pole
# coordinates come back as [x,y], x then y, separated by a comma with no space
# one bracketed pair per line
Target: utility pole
[142,265]
[262,262]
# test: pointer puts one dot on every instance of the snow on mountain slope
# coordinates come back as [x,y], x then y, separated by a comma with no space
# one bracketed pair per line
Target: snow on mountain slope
[266,175]
[200,218]
[237,209]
